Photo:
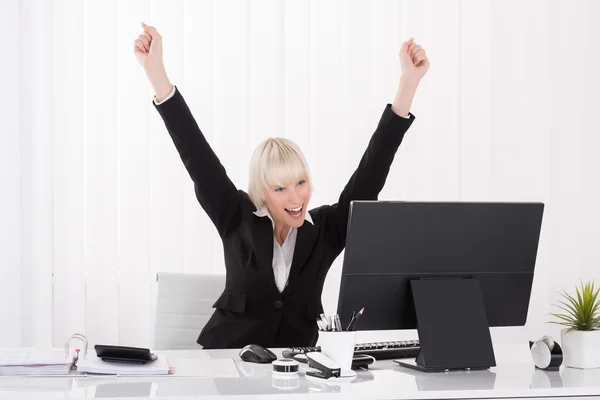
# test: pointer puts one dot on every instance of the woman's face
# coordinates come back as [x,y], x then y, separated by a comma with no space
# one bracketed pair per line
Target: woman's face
[287,205]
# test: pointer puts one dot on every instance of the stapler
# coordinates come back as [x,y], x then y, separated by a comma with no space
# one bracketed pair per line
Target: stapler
[326,368]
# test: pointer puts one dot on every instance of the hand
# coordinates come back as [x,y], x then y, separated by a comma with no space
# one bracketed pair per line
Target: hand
[149,53]
[413,60]
[414,63]
[148,49]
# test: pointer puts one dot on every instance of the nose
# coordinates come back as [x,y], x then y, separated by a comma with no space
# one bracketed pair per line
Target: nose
[294,197]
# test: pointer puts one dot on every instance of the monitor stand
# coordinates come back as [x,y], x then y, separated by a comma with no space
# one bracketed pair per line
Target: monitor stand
[452,325]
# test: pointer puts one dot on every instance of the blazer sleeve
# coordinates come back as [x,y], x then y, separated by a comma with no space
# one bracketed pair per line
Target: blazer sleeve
[368,179]
[216,193]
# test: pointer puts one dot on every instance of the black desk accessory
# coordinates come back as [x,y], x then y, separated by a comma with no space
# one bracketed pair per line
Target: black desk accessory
[453,333]
[389,350]
[359,361]
[451,270]
[326,368]
[124,354]
[257,354]
[546,354]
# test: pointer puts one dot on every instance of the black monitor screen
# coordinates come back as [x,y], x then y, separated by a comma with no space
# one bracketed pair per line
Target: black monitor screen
[391,243]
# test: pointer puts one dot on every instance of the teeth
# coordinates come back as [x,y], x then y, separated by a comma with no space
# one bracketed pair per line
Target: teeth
[294,209]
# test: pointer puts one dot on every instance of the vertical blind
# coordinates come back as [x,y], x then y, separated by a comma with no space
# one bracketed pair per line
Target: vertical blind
[98,200]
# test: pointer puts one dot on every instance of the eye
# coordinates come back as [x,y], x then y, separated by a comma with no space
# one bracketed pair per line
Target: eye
[279,189]
[302,182]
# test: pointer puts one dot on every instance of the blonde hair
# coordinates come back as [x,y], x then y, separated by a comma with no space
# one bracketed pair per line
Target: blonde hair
[276,162]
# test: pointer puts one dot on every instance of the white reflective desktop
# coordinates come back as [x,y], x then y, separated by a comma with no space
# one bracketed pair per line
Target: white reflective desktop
[514,377]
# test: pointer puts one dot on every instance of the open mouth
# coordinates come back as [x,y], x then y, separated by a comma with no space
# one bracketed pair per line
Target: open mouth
[294,212]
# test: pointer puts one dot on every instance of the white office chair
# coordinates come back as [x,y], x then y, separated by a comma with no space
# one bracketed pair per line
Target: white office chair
[183,306]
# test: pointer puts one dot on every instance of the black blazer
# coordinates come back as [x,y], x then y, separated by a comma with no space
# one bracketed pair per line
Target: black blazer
[251,309]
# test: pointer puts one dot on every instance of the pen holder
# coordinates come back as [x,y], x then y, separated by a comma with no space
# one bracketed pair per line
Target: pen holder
[338,346]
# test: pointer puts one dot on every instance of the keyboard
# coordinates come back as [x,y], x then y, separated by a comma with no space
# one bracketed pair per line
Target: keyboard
[389,350]
[377,350]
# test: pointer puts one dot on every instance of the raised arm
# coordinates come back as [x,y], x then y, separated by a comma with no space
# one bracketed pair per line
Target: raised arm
[370,176]
[414,64]
[214,190]
[149,53]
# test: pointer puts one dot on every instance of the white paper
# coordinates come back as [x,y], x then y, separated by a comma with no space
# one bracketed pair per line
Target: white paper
[58,369]
[34,361]
[202,368]
[95,365]
[32,356]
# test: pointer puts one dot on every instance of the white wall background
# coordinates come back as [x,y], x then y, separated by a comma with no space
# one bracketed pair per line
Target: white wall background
[95,198]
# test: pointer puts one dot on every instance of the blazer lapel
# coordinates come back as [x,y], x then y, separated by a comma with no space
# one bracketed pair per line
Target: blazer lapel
[305,241]
[262,238]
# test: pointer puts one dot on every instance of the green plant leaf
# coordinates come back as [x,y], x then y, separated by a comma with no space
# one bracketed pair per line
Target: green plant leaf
[568,308]
[559,323]
[582,311]
[578,293]
[564,318]
[586,295]
[594,304]
[574,303]
[595,308]
[580,303]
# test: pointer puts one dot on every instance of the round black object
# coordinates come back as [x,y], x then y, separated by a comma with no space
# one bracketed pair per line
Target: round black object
[278,303]
[546,354]
[257,354]
[286,366]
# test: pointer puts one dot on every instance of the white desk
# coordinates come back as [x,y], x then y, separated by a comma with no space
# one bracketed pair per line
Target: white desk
[514,377]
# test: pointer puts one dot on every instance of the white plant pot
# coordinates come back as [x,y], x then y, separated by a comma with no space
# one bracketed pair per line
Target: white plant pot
[581,349]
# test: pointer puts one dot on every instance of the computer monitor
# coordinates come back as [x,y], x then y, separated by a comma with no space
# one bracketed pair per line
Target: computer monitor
[449,269]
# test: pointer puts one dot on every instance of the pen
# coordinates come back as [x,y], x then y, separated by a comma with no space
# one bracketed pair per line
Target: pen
[321,325]
[352,325]
[322,322]
[351,321]
[337,323]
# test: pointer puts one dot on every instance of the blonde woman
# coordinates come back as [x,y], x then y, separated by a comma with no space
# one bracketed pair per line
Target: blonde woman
[277,251]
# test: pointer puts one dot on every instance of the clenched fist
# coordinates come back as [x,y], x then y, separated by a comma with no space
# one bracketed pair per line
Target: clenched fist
[413,59]
[148,48]
[149,53]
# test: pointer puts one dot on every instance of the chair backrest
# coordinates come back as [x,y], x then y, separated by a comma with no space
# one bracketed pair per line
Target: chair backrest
[183,306]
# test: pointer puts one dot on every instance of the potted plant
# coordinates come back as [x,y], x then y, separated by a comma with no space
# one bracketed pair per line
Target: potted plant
[581,316]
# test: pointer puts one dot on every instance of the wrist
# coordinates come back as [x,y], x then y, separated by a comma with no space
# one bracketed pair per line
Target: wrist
[156,73]
[409,79]
[404,96]
[160,82]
